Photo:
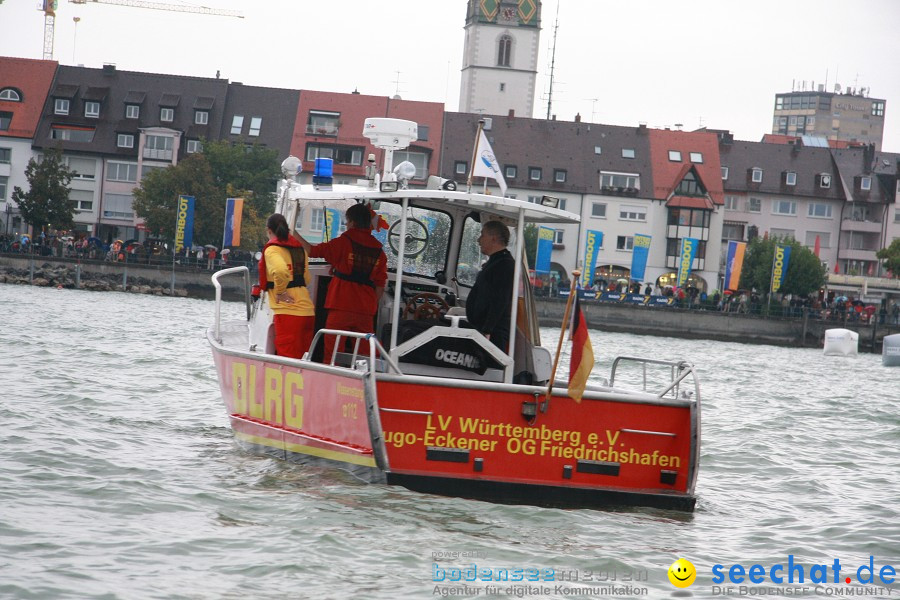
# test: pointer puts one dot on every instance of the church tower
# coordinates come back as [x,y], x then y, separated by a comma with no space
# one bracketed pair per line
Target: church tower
[500,57]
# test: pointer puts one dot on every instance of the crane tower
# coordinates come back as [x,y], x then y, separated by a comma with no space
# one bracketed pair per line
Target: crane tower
[49,7]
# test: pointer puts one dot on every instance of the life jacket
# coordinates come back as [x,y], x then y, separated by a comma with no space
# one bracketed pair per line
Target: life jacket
[364,260]
[298,262]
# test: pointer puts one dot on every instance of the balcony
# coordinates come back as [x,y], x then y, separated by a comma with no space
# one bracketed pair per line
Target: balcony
[154,154]
[857,254]
[864,226]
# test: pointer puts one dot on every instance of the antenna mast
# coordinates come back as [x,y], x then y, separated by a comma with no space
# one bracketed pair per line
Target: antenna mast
[553,61]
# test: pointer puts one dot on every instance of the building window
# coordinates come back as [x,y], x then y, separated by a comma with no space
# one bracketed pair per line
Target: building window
[534,173]
[504,51]
[511,171]
[754,205]
[158,147]
[624,242]
[125,140]
[72,134]
[342,155]
[733,231]
[878,109]
[724,173]
[782,234]
[627,152]
[674,156]
[865,183]
[790,178]
[201,117]
[598,210]
[121,171]
[5,156]
[559,175]
[118,206]
[731,202]
[824,239]
[323,123]
[820,211]
[255,126]
[697,157]
[61,106]
[689,186]
[237,123]
[632,213]
[419,159]
[598,149]
[92,110]
[167,115]
[461,167]
[5,120]
[784,207]
[422,133]
[620,180]
[193,146]
[825,180]
[4,185]
[132,111]
[317,220]
[84,168]
[688,217]
[502,87]
[81,200]
[10,95]
[558,236]
[756,175]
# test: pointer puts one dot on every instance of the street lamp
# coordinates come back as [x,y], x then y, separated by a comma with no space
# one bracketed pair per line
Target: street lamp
[8,212]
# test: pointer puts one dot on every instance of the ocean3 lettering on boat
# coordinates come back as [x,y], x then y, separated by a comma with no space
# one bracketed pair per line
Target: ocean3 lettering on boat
[452,357]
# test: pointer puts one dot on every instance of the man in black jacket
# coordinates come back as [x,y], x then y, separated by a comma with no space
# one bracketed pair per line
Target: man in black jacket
[488,306]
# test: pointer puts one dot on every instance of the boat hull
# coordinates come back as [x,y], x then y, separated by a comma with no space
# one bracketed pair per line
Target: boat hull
[467,439]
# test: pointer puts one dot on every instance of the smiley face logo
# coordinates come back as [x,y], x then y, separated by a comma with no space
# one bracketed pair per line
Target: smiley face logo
[682,573]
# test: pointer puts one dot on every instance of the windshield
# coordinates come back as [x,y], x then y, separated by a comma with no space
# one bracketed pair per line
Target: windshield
[427,239]
[470,256]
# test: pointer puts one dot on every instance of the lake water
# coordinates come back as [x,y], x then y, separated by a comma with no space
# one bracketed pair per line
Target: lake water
[119,477]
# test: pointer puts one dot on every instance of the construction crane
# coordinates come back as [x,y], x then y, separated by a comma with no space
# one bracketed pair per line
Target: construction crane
[49,7]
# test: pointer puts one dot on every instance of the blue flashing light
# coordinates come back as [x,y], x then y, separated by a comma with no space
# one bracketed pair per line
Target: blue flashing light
[324,167]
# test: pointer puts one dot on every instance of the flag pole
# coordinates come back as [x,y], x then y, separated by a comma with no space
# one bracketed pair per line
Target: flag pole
[474,155]
[562,334]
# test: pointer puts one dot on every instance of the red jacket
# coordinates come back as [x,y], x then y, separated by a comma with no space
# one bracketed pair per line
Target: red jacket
[367,262]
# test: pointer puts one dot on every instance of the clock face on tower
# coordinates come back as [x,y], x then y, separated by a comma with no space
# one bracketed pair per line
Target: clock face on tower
[508,13]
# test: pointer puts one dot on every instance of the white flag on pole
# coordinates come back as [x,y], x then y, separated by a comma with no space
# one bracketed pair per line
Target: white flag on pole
[486,164]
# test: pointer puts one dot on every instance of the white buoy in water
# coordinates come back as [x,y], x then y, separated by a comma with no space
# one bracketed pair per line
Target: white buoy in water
[841,342]
[890,351]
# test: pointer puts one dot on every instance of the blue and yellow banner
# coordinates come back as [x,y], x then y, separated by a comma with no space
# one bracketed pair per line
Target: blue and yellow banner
[639,255]
[593,240]
[184,223]
[686,260]
[780,266]
[234,208]
[734,262]
[332,223]
[544,250]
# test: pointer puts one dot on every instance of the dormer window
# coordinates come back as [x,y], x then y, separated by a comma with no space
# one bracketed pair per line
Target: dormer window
[790,178]
[724,173]
[132,111]
[756,175]
[865,183]
[201,117]
[92,110]
[61,106]
[167,115]
[10,95]
[824,180]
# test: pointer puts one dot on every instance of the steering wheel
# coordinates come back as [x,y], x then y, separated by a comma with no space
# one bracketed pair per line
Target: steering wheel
[431,307]
[393,236]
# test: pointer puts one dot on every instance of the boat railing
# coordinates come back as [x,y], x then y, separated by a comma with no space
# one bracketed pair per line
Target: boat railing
[678,370]
[218,285]
[374,345]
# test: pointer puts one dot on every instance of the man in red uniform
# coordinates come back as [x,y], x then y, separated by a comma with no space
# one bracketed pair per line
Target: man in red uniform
[359,270]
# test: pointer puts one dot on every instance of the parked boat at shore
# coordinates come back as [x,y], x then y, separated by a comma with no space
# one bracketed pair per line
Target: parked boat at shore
[440,409]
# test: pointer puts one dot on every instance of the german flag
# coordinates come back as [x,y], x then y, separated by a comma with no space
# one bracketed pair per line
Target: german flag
[582,360]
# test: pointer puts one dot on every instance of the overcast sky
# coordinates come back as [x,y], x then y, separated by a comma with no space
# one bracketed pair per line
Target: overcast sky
[715,63]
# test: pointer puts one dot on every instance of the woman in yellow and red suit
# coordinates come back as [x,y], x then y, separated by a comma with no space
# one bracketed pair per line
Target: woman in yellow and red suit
[284,273]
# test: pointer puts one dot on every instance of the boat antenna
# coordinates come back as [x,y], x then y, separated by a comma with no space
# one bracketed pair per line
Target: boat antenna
[553,61]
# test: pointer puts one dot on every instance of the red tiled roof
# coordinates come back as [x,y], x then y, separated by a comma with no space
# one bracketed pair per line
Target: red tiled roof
[668,174]
[33,79]
[689,202]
